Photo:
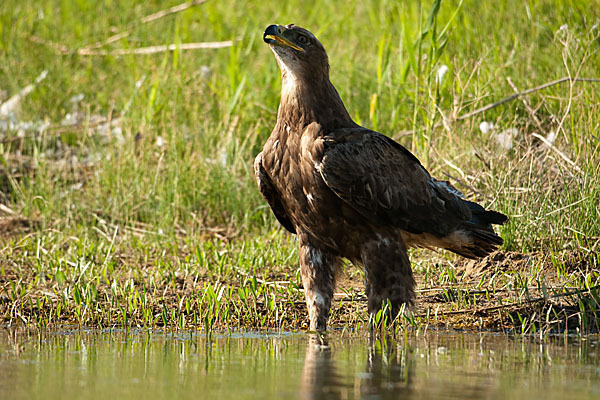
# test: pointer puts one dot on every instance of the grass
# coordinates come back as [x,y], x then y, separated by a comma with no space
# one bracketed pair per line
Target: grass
[157,221]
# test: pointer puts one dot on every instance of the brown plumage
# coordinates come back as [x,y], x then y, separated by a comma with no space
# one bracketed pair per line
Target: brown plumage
[347,191]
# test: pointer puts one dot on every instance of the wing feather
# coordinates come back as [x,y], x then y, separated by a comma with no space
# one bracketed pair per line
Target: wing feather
[270,194]
[388,185]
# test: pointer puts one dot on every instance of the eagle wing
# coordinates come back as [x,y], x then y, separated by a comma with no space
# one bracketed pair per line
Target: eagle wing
[270,194]
[388,185]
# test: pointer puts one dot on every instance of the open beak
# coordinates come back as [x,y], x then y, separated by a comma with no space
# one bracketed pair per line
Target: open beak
[273,36]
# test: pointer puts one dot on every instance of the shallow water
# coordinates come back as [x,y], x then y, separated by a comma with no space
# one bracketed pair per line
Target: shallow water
[189,365]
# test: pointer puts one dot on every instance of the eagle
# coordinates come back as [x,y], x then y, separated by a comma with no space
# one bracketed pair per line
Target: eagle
[349,192]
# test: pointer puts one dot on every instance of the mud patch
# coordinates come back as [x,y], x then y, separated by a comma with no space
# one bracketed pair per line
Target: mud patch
[567,262]
[519,293]
[497,261]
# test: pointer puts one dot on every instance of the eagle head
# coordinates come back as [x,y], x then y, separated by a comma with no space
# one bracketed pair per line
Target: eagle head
[298,51]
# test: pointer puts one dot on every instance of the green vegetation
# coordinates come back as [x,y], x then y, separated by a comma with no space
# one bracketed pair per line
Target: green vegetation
[126,186]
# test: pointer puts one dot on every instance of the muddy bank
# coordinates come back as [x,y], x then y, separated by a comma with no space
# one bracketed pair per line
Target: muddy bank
[505,292]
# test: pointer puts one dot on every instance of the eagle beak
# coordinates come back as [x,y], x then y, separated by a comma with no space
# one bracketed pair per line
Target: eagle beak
[273,36]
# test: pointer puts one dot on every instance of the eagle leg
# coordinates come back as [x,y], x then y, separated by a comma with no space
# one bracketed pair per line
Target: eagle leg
[318,269]
[388,274]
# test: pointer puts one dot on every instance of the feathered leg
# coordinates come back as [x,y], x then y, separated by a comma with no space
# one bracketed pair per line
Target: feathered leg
[318,269]
[388,275]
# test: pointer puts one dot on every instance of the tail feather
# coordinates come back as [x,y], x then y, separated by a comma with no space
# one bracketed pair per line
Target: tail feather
[479,238]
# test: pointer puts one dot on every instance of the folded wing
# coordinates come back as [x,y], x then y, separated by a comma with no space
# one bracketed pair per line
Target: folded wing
[388,185]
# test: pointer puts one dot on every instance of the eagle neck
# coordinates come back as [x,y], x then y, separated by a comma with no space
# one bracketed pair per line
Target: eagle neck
[308,100]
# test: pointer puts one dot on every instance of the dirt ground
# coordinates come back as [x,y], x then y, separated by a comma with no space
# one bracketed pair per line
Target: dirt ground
[505,292]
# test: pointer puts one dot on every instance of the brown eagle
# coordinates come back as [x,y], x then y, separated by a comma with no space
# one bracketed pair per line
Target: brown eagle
[347,191]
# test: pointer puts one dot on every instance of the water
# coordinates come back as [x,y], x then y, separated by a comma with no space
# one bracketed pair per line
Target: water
[92,365]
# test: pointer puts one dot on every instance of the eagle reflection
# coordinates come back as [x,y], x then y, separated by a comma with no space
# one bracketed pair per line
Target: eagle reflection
[389,371]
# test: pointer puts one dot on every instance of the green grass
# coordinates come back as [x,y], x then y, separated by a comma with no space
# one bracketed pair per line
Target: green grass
[112,222]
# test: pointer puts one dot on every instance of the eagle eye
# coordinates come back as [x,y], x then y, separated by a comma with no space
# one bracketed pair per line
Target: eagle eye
[302,39]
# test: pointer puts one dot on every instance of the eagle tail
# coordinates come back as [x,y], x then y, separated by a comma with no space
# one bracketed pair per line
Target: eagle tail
[476,237]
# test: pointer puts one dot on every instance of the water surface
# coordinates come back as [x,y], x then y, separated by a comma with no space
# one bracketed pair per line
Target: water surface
[142,365]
